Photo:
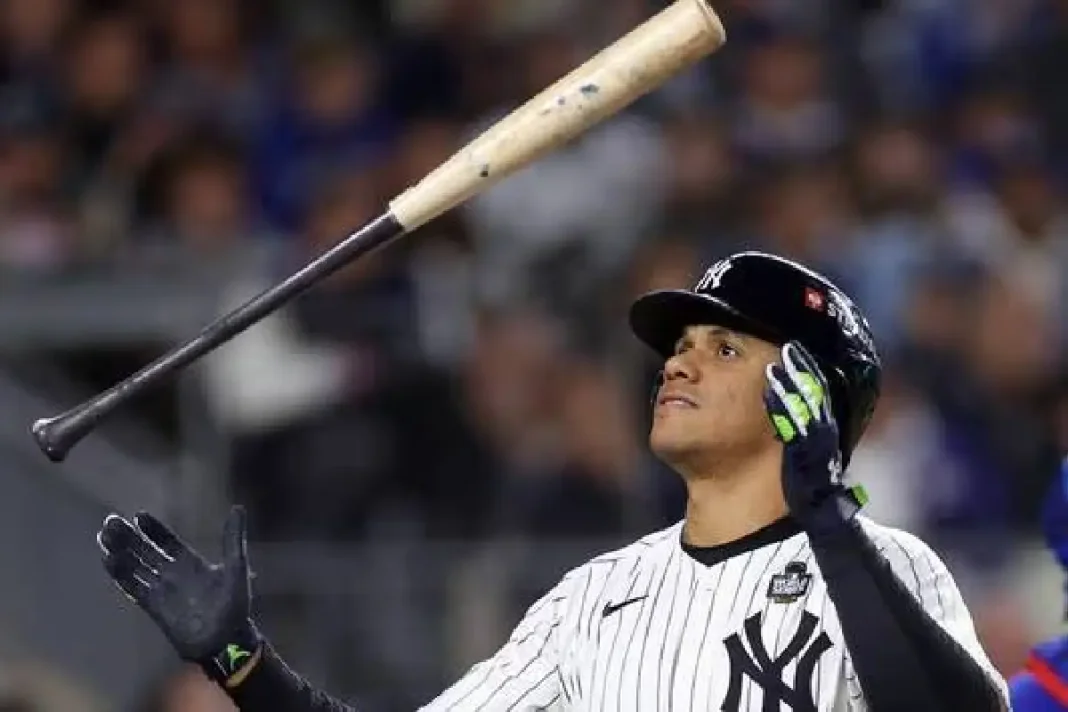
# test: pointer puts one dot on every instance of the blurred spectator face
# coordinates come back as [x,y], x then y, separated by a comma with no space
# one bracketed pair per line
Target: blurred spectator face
[998,124]
[29,169]
[1011,347]
[804,210]
[202,30]
[781,75]
[700,159]
[897,167]
[1029,199]
[549,57]
[347,202]
[935,318]
[31,27]
[1005,629]
[34,234]
[207,200]
[783,111]
[596,422]
[105,65]
[336,83]
[427,144]
[723,373]
[668,264]
[513,373]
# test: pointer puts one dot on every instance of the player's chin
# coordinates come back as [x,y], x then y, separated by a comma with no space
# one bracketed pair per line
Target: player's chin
[669,437]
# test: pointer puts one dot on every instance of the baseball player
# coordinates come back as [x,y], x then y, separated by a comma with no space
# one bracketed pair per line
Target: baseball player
[772,593]
[1043,685]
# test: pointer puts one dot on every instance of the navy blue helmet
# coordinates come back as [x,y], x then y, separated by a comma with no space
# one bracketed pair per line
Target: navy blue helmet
[777,300]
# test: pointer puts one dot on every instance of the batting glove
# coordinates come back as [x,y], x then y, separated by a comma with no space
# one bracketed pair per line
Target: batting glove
[202,608]
[799,407]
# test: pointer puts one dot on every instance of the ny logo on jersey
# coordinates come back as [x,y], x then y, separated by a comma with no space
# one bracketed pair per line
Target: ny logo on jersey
[768,673]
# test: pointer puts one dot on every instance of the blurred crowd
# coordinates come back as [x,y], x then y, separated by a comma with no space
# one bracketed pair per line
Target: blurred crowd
[477,380]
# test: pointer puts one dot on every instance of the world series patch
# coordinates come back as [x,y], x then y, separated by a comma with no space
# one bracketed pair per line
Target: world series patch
[791,584]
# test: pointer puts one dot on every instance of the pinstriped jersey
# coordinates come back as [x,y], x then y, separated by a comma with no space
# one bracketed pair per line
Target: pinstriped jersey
[651,628]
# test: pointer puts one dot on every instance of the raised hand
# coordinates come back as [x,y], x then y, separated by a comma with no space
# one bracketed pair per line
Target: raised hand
[203,608]
[799,407]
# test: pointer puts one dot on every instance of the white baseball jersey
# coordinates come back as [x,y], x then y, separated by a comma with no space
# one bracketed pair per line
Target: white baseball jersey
[649,627]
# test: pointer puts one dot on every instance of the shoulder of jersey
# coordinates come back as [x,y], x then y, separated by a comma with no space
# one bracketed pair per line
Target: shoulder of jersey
[885,536]
[650,545]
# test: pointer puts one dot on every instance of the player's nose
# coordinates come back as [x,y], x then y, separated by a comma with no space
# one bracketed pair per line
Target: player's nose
[679,368]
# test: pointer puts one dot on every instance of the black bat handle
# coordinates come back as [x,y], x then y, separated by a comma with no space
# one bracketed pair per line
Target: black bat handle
[56,436]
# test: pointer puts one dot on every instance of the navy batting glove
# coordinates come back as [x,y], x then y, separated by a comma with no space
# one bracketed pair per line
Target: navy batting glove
[798,403]
[202,607]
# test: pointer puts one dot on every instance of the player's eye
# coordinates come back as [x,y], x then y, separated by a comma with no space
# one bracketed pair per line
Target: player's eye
[727,351]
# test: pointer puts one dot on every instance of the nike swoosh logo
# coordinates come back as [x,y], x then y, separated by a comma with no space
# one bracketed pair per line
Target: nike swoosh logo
[610,608]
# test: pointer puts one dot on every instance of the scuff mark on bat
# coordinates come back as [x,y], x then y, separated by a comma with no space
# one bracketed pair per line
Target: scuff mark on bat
[561,101]
[589,89]
[485,171]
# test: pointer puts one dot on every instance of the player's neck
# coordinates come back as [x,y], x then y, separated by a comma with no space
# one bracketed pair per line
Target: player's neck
[722,509]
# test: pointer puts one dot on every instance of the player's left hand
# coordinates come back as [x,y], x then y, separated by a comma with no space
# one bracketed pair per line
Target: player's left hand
[798,403]
[203,608]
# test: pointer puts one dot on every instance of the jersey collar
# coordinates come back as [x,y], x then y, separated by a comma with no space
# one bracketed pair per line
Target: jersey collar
[779,530]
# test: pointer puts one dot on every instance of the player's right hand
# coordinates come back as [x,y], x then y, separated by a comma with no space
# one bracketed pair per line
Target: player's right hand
[201,607]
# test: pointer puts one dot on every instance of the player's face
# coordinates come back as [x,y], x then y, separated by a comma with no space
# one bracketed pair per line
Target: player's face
[711,400]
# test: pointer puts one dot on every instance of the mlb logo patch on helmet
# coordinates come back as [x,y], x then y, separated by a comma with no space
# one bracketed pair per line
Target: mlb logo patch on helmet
[813,299]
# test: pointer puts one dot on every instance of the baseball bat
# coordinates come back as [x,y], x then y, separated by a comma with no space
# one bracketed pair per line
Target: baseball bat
[675,38]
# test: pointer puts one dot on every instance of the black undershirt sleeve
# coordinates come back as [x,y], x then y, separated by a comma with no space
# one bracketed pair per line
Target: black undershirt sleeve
[904,659]
[272,685]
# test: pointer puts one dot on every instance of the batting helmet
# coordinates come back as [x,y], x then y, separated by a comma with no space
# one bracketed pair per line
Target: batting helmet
[777,300]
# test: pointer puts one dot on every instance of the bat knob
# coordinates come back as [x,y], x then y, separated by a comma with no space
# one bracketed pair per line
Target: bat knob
[48,434]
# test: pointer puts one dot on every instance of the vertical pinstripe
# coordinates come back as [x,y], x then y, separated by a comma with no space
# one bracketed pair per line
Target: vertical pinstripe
[661,696]
[669,595]
[605,665]
[578,648]
[696,677]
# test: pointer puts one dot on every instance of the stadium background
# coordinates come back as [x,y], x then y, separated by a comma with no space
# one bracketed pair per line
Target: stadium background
[433,437]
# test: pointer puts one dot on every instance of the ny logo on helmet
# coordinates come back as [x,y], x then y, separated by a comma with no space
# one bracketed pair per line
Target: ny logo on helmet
[713,276]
